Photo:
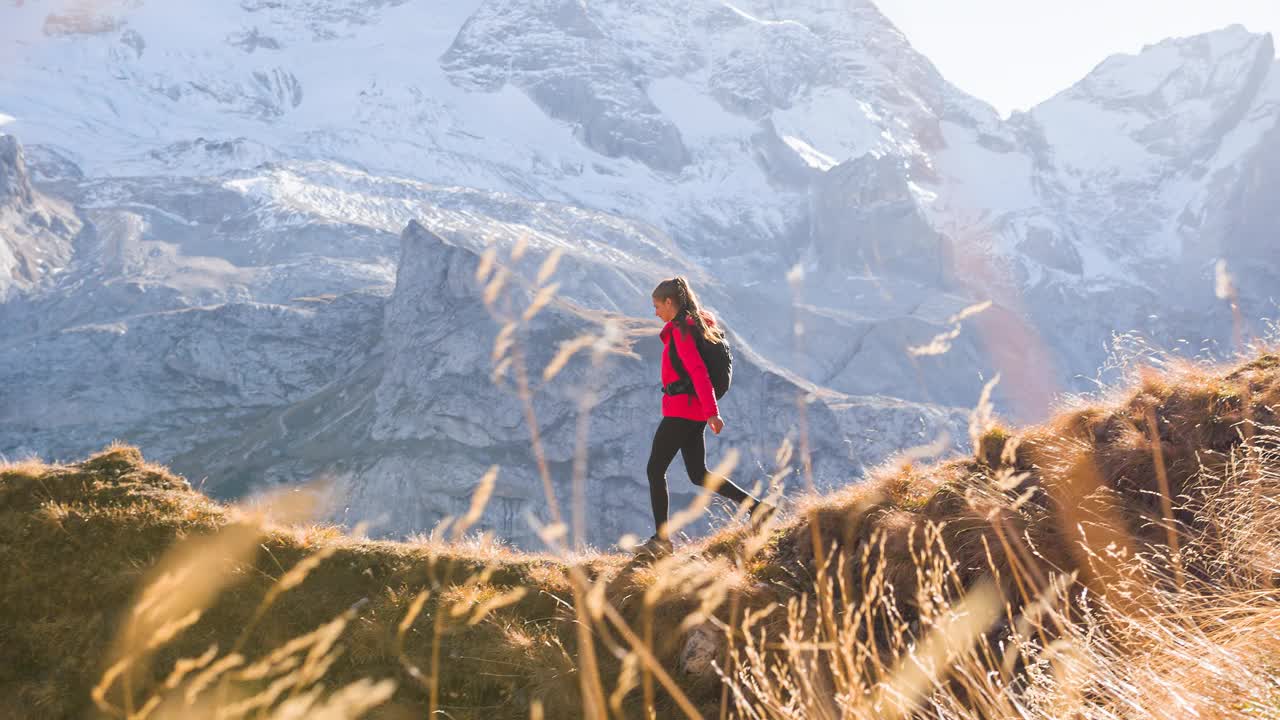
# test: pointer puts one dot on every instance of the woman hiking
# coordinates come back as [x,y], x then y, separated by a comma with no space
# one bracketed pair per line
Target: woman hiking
[688,406]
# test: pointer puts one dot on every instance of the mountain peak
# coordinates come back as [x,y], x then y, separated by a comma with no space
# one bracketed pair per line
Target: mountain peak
[1175,70]
[1175,100]
[429,265]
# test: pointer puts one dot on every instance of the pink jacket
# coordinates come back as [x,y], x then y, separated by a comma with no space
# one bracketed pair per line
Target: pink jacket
[702,407]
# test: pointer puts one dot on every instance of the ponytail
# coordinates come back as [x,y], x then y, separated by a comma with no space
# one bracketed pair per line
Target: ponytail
[678,289]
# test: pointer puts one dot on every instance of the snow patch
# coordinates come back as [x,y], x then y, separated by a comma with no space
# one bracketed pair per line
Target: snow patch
[810,156]
[976,177]
[835,124]
[758,20]
[1088,137]
[698,117]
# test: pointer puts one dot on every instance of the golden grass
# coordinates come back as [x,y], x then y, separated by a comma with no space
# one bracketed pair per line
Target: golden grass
[115,562]
[1071,569]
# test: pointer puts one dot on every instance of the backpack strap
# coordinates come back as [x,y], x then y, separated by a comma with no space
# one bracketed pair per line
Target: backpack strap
[676,363]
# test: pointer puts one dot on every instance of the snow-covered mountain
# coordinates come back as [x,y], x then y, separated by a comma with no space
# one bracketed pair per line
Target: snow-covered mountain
[686,115]
[208,249]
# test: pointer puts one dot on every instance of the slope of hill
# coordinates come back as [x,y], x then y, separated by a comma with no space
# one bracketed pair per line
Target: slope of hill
[1119,558]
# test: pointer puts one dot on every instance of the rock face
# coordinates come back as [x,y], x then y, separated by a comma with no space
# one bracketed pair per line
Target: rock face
[867,218]
[701,648]
[251,249]
[1242,228]
[422,421]
[15,186]
[540,47]
[36,232]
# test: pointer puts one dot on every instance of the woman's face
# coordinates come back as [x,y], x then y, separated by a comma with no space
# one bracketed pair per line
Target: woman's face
[665,309]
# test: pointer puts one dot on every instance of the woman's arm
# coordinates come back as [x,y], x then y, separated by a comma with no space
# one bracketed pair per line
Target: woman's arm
[687,349]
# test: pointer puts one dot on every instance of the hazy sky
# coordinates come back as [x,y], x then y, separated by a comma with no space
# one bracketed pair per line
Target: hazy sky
[1015,53]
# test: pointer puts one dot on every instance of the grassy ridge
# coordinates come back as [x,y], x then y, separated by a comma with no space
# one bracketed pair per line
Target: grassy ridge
[76,543]
[1095,535]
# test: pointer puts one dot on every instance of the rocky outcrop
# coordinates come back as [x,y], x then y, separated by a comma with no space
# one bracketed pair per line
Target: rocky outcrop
[1244,230]
[173,380]
[866,220]
[36,232]
[407,436]
[15,186]
[542,47]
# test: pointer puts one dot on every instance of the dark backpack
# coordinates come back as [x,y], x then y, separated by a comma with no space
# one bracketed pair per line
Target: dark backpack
[716,356]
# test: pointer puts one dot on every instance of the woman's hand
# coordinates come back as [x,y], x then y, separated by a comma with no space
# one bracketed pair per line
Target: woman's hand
[716,424]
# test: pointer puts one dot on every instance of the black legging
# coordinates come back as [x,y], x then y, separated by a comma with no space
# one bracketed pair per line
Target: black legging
[685,436]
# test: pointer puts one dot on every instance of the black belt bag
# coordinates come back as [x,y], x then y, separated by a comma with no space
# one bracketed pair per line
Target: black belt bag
[683,386]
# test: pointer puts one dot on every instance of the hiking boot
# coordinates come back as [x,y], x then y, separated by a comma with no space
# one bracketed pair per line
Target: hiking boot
[655,547]
[761,513]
